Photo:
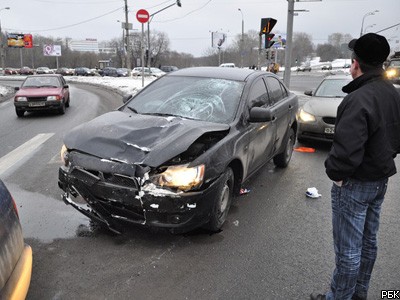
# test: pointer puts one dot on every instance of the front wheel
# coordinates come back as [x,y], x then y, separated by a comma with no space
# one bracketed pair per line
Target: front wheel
[282,159]
[222,202]
[61,109]
[19,112]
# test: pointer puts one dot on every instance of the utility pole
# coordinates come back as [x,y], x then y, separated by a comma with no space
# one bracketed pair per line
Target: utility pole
[289,39]
[128,47]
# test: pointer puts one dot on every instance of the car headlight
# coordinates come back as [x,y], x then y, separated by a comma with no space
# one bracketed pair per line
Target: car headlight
[391,73]
[181,177]
[64,155]
[53,98]
[20,99]
[306,117]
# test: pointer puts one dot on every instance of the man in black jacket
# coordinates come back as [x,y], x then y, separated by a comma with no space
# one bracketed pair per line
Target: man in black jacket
[366,141]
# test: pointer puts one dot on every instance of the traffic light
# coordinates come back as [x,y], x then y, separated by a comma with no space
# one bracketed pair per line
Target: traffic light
[268,40]
[266,25]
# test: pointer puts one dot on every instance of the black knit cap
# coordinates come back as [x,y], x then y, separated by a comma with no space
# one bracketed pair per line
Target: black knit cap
[371,48]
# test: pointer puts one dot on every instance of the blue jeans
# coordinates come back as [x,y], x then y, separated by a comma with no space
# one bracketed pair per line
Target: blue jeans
[356,207]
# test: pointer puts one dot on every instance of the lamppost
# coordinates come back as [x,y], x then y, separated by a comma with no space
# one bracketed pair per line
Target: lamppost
[241,41]
[178,2]
[2,43]
[366,15]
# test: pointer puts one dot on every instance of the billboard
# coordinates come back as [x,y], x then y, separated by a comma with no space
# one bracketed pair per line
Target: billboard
[52,50]
[19,40]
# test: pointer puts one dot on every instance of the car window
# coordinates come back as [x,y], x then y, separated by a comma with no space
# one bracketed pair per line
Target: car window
[206,99]
[331,88]
[258,94]
[276,91]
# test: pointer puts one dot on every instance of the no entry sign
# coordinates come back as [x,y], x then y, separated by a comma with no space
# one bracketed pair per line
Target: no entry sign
[142,15]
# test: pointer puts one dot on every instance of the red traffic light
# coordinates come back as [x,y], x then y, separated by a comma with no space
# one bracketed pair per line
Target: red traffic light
[268,40]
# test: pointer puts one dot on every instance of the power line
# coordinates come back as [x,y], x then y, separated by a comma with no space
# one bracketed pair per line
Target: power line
[72,25]
[388,28]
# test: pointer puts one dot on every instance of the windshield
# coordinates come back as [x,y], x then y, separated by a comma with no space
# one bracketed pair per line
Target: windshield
[332,88]
[41,81]
[206,99]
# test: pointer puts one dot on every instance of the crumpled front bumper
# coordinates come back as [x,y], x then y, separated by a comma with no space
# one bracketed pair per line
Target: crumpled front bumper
[112,199]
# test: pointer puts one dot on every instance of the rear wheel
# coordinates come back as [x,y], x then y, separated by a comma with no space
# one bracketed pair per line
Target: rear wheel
[282,159]
[20,112]
[222,202]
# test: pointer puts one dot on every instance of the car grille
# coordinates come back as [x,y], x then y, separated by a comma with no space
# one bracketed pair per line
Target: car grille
[329,120]
[33,99]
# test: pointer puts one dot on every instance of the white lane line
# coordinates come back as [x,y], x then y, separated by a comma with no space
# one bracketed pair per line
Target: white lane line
[10,159]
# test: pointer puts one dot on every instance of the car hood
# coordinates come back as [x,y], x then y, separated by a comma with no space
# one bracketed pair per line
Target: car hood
[322,107]
[37,92]
[138,139]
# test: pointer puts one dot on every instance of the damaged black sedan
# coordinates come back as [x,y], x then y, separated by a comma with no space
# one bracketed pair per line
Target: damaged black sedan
[175,154]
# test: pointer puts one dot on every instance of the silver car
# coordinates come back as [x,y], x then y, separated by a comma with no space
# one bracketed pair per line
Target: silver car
[316,118]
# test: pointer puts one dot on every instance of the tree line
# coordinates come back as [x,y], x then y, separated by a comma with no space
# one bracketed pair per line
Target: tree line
[161,54]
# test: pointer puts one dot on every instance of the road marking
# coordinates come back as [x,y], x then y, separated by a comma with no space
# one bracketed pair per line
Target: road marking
[15,156]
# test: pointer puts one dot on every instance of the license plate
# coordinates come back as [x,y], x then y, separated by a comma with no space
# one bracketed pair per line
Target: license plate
[330,130]
[37,104]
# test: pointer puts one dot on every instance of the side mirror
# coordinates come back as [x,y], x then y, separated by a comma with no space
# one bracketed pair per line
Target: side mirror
[260,114]
[66,86]
[16,88]
[126,98]
[308,93]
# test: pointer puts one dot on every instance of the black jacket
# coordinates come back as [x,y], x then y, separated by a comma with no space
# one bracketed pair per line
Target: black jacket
[367,130]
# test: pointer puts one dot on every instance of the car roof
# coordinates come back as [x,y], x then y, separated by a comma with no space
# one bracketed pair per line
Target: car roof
[340,76]
[45,75]
[216,72]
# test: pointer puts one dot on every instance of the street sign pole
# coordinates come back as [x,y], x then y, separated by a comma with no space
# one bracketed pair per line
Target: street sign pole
[142,16]
[142,54]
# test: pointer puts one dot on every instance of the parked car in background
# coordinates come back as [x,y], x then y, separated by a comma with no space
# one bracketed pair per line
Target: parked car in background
[175,154]
[109,71]
[65,71]
[327,67]
[316,119]
[83,71]
[42,92]
[304,68]
[15,255]
[228,65]
[10,71]
[44,70]
[155,72]
[25,71]
[123,72]
[168,69]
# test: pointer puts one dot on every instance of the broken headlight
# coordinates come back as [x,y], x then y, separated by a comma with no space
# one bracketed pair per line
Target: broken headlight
[180,177]
[64,155]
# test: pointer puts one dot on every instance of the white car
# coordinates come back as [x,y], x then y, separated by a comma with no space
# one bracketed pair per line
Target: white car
[155,72]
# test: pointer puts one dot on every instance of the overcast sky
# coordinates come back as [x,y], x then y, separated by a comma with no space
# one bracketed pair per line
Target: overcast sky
[189,27]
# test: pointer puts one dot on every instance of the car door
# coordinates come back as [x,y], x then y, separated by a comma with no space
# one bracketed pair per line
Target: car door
[261,135]
[64,89]
[282,109]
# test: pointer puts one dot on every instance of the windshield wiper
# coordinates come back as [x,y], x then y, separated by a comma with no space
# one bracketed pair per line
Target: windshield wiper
[162,114]
[132,109]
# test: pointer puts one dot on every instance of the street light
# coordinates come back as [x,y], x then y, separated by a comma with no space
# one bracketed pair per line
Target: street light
[178,2]
[1,43]
[366,15]
[241,41]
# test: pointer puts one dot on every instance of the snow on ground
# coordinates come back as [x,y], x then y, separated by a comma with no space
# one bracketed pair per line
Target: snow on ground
[123,85]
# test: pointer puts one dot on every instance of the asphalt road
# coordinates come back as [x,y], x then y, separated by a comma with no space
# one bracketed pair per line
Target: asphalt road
[276,243]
